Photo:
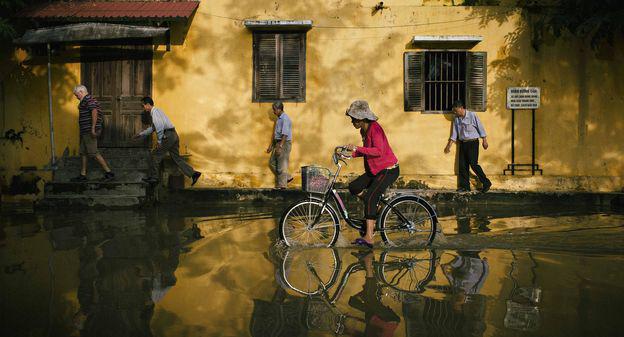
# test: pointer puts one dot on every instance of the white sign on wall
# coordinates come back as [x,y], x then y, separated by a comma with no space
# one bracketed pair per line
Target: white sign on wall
[523,98]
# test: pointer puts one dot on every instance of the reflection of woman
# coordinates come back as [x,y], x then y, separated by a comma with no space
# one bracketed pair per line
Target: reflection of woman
[380,164]
[380,319]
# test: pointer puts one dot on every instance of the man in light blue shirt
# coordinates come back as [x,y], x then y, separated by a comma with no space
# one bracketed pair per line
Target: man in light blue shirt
[467,129]
[280,146]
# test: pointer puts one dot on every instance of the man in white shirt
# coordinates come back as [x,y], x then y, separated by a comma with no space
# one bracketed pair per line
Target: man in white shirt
[168,142]
[467,129]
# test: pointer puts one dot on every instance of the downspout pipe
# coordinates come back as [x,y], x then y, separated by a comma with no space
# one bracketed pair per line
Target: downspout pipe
[52,146]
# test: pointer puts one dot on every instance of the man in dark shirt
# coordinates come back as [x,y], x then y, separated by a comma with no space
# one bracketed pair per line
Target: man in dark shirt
[90,124]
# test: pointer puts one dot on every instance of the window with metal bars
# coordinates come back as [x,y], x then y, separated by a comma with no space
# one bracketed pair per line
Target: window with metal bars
[279,67]
[433,80]
[445,80]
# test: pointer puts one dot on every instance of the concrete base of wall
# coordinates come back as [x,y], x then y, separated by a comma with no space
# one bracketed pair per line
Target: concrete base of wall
[200,197]
[521,189]
[514,183]
[525,182]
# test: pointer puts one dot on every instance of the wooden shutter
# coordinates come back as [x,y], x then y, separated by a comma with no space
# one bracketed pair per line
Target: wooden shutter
[293,67]
[414,79]
[476,77]
[265,67]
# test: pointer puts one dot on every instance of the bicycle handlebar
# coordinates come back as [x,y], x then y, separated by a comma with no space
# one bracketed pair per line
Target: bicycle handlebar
[339,154]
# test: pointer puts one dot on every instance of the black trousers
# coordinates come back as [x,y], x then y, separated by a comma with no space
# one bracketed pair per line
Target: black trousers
[469,157]
[375,186]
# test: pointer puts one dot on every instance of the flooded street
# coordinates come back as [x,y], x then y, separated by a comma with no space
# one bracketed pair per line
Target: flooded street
[494,271]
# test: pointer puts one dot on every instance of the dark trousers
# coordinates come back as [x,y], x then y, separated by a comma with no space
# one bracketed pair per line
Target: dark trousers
[375,186]
[170,144]
[469,157]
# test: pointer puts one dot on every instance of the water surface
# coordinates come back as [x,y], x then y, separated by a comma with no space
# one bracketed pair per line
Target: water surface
[495,271]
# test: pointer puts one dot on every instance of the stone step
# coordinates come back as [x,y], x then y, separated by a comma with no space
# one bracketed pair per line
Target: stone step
[119,163]
[114,152]
[95,175]
[96,189]
[85,201]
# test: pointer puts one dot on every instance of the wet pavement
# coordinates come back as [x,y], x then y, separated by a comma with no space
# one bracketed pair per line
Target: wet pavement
[496,270]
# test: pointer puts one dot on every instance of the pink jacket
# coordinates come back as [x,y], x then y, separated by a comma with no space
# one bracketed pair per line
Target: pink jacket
[376,151]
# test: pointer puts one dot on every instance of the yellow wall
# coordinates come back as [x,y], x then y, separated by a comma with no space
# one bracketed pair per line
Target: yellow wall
[24,107]
[205,85]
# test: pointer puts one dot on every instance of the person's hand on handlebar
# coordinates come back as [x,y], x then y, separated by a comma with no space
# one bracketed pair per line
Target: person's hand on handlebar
[350,147]
[343,152]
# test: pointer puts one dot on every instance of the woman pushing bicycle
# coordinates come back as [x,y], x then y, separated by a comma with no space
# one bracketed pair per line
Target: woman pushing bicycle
[380,164]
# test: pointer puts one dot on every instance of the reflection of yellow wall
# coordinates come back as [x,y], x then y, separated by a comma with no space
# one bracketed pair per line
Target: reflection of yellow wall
[205,86]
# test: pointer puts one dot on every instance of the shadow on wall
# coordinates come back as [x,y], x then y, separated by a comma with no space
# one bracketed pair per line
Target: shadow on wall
[222,56]
[325,99]
[576,123]
[25,135]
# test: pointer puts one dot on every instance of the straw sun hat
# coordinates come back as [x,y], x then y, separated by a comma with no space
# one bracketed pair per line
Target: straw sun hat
[359,109]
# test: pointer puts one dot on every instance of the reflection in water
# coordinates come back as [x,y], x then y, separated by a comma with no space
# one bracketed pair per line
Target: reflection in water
[399,286]
[522,306]
[402,277]
[126,266]
[313,273]
[462,310]
[151,273]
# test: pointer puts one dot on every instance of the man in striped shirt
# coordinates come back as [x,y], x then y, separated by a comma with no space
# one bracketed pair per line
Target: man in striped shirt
[168,142]
[90,124]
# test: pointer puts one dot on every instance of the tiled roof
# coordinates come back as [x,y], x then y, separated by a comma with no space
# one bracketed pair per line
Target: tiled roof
[111,10]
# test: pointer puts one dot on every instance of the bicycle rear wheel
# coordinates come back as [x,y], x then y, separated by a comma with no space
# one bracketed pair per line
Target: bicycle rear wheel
[407,271]
[304,223]
[408,221]
[310,271]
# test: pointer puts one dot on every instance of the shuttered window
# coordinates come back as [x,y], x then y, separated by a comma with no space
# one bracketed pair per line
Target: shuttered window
[433,80]
[279,67]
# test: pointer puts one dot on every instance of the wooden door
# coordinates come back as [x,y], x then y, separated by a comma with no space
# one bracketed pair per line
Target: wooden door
[118,78]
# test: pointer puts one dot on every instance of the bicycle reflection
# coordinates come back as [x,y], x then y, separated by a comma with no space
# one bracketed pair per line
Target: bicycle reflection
[397,285]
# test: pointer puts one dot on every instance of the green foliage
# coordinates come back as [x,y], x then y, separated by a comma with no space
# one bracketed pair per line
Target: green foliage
[8,24]
[7,31]
[481,2]
[595,21]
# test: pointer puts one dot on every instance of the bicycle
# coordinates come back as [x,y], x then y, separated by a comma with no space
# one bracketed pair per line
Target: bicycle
[404,219]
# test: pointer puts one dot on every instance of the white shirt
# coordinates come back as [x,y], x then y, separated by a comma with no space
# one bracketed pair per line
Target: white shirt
[467,127]
[160,121]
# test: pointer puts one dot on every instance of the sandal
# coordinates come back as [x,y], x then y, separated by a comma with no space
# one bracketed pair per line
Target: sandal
[362,242]
[361,254]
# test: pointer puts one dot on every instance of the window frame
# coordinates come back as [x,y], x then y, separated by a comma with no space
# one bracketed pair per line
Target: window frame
[301,97]
[414,80]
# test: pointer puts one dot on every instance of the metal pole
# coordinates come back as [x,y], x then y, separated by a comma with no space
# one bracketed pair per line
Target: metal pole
[513,126]
[52,147]
[532,141]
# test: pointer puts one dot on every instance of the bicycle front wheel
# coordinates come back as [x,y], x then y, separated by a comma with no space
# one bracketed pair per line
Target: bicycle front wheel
[308,223]
[310,271]
[408,221]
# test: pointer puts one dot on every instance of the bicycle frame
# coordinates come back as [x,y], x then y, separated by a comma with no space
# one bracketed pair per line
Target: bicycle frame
[331,192]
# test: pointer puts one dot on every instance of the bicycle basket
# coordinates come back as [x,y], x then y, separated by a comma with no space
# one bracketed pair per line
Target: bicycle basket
[315,179]
[320,316]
